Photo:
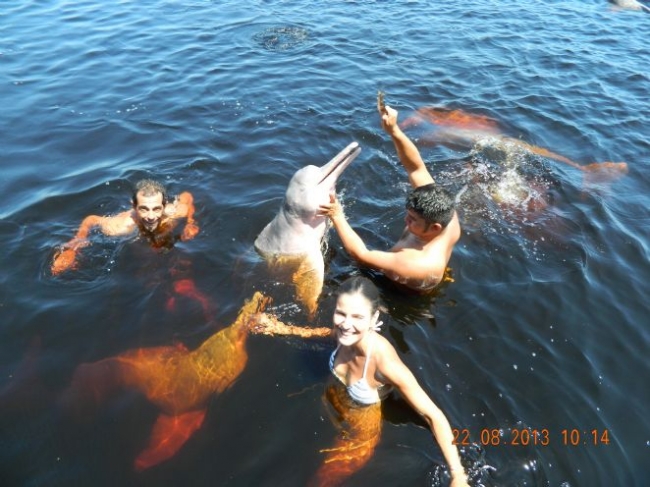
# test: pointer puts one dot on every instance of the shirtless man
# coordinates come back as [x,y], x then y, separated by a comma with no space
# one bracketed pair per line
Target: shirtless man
[419,258]
[153,216]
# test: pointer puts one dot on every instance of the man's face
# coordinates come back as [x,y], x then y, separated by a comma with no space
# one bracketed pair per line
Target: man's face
[415,223]
[418,226]
[149,210]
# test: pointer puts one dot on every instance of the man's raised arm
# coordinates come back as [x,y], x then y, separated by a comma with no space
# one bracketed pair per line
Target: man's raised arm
[407,152]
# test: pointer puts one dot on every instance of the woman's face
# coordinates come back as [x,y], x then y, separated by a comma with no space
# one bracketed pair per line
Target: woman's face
[353,318]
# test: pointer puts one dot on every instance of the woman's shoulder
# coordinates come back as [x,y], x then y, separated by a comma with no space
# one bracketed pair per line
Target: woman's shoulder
[384,351]
[389,367]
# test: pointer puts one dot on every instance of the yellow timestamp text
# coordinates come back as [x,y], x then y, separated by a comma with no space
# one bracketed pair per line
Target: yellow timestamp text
[532,437]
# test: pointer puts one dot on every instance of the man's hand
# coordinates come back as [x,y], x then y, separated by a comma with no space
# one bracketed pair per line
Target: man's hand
[331,209]
[389,120]
[66,257]
[190,231]
[63,261]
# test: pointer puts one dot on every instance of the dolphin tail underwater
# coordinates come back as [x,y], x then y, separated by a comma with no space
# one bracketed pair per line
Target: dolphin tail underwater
[293,240]
[458,129]
[359,433]
[186,288]
[178,381]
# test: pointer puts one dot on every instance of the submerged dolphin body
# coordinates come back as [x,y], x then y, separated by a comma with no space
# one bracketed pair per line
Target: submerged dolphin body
[292,240]
[359,433]
[460,130]
[178,381]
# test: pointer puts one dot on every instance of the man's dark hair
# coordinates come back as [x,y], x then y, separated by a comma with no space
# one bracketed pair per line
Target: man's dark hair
[433,203]
[149,187]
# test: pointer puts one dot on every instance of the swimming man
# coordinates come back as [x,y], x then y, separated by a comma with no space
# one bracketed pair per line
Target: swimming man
[152,215]
[419,258]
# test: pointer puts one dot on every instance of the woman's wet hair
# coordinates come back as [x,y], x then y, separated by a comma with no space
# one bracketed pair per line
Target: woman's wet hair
[365,287]
[149,187]
[433,203]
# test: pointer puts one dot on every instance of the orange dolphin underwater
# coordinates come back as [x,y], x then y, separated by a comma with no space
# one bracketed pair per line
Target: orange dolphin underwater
[359,434]
[178,381]
[460,130]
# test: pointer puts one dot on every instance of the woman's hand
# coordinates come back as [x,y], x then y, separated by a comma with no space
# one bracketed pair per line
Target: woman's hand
[458,479]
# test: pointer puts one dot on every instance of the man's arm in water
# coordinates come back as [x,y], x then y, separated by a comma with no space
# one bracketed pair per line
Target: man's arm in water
[117,225]
[407,152]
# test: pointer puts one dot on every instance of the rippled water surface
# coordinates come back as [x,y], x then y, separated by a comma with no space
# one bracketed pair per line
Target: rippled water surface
[544,328]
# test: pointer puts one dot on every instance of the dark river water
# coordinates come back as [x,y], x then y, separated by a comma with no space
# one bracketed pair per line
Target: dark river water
[544,328]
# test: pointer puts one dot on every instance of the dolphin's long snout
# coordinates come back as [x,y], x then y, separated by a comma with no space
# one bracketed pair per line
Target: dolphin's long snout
[333,169]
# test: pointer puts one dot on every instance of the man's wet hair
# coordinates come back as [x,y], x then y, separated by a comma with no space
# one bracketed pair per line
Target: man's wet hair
[149,187]
[433,203]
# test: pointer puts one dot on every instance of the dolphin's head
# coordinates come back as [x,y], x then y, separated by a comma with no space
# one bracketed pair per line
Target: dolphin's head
[298,228]
[311,186]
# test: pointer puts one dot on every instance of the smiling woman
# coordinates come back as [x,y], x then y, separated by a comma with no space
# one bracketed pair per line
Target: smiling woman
[367,368]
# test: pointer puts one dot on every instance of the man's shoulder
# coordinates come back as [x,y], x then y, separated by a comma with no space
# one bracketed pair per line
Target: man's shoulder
[420,263]
[179,206]
[119,224]
[125,217]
